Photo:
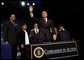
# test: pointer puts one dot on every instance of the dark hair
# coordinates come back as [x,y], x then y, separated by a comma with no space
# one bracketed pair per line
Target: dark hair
[36,23]
[11,14]
[31,6]
[61,25]
[23,24]
[44,10]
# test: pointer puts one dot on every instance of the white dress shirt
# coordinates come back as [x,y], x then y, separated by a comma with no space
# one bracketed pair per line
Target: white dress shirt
[46,19]
[62,29]
[31,14]
[26,38]
[36,30]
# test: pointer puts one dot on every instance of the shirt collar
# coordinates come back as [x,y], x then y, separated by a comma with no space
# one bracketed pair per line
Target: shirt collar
[62,29]
[35,29]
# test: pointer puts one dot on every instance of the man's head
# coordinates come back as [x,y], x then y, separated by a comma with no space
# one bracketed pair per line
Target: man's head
[12,17]
[44,14]
[30,8]
[35,25]
[61,26]
[24,26]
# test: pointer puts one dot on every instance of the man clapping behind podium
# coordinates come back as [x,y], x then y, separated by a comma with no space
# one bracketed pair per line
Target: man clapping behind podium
[63,34]
[36,35]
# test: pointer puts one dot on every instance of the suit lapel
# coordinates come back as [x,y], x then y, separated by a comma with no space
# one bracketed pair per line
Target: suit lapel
[47,22]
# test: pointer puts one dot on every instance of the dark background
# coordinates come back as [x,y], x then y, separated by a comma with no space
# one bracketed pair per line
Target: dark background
[65,12]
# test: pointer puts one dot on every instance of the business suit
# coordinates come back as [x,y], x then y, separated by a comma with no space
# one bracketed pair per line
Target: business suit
[63,35]
[30,21]
[37,38]
[10,31]
[25,52]
[49,25]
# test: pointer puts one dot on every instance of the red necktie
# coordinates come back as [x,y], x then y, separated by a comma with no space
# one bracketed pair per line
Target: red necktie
[45,24]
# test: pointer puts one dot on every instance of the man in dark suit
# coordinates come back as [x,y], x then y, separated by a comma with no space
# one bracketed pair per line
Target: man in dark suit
[10,30]
[47,25]
[30,17]
[24,42]
[37,35]
[63,35]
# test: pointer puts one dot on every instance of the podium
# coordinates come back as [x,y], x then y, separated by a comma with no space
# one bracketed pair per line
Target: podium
[54,50]
[47,50]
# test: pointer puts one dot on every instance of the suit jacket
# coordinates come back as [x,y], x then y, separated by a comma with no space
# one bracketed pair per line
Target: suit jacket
[30,21]
[21,37]
[10,32]
[63,35]
[50,25]
[37,38]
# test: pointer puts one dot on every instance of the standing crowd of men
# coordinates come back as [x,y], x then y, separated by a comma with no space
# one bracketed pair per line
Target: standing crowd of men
[32,31]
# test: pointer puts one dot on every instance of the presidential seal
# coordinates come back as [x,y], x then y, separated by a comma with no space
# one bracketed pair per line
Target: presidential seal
[38,52]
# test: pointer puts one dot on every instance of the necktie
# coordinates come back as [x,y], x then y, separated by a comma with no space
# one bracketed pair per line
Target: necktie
[45,24]
[36,31]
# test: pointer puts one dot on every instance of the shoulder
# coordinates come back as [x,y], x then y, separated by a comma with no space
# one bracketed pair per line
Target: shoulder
[7,23]
[50,20]
[67,31]
[20,31]
[32,29]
